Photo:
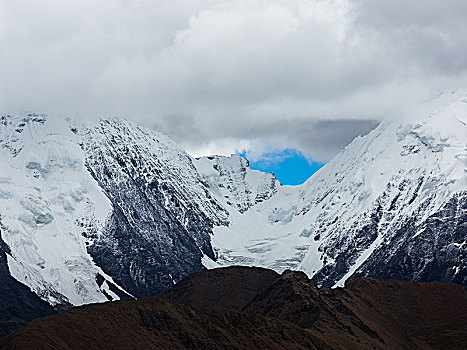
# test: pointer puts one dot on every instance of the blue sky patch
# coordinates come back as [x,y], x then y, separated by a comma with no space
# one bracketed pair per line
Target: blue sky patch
[290,166]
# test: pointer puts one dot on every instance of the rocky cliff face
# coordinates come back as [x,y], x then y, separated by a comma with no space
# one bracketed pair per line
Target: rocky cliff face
[425,250]
[162,214]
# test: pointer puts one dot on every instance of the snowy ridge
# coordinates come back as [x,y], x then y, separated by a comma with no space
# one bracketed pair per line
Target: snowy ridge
[150,157]
[234,184]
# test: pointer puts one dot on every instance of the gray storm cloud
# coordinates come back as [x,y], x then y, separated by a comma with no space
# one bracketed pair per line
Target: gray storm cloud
[220,76]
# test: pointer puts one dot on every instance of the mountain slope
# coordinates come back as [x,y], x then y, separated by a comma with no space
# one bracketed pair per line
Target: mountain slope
[367,313]
[286,312]
[18,304]
[154,323]
[47,200]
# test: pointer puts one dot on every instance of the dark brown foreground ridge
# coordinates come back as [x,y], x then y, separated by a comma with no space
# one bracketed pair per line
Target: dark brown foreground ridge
[254,308]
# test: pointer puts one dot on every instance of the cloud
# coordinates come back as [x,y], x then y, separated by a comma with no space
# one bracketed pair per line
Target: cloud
[219,76]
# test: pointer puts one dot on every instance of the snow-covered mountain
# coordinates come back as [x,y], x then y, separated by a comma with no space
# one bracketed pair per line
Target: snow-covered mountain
[101,211]
[110,210]
[392,204]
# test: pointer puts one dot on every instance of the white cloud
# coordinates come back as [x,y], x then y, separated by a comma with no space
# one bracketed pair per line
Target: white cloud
[221,75]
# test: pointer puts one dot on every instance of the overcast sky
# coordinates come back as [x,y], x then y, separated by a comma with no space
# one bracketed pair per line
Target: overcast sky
[221,76]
